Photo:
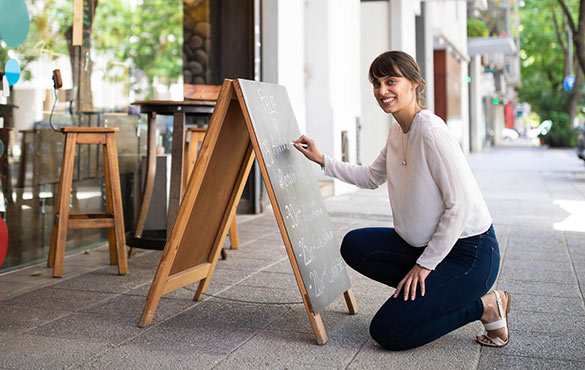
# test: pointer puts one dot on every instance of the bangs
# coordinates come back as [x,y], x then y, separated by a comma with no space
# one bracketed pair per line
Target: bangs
[383,67]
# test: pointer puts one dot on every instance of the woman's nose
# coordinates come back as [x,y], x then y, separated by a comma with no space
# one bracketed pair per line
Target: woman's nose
[383,89]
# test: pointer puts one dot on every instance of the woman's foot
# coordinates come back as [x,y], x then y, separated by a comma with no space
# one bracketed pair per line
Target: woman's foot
[495,319]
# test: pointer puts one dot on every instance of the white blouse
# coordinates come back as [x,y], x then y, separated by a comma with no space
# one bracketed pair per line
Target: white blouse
[434,197]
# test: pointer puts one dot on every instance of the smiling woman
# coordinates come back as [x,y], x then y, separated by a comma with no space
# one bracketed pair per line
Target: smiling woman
[442,254]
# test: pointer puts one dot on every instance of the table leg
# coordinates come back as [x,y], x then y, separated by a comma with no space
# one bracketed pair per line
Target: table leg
[5,178]
[178,148]
[150,174]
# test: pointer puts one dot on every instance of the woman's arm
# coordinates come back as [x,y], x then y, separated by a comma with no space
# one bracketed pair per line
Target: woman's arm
[369,177]
[452,175]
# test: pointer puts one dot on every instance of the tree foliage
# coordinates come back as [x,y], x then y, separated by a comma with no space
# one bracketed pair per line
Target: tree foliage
[543,68]
[148,37]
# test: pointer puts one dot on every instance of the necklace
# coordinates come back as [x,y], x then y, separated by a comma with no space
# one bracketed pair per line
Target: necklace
[404,147]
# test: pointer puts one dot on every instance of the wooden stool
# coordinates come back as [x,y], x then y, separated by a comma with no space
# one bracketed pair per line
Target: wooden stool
[113,219]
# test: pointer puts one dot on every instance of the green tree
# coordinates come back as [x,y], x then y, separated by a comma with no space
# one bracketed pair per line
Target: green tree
[148,38]
[543,59]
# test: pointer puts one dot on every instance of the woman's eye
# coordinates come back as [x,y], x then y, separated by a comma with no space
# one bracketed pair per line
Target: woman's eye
[376,84]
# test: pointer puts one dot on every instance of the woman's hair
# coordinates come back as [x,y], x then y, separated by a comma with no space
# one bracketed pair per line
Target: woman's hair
[397,63]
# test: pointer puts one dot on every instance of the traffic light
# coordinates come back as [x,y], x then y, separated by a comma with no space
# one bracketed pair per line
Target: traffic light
[496,101]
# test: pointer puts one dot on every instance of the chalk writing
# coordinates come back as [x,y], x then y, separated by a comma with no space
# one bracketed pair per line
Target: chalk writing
[286,179]
[292,215]
[308,230]
[328,274]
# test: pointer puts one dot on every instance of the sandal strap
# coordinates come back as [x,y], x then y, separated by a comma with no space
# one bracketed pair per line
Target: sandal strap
[497,341]
[500,306]
[495,325]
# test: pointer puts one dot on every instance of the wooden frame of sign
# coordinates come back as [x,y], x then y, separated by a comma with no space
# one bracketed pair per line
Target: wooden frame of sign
[253,117]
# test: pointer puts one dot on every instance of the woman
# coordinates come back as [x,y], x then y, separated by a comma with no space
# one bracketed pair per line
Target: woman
[442,255]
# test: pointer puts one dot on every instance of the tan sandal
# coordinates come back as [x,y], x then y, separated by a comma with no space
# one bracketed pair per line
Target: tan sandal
[501,323]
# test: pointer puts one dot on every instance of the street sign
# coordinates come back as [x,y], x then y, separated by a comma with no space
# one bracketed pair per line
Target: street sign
[568,82]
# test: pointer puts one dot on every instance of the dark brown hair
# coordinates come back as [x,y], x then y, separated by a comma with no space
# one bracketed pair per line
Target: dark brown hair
[397,63]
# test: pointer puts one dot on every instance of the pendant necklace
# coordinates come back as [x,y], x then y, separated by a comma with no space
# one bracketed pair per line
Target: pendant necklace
[404,149]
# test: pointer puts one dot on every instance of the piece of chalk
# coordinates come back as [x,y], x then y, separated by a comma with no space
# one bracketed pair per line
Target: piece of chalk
[303,145]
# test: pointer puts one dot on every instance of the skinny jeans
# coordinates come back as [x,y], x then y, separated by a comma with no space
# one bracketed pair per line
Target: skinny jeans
[452,291]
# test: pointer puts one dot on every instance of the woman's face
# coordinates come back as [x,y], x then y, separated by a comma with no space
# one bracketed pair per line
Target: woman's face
[394,93]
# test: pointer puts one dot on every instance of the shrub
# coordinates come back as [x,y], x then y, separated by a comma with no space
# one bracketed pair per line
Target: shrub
[477,28]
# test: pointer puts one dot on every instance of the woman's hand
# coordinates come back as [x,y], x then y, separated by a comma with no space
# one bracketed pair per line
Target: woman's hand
[410,282]
[310,151]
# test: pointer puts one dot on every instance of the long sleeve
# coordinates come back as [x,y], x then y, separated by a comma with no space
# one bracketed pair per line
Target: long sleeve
[455,181]
[367,177]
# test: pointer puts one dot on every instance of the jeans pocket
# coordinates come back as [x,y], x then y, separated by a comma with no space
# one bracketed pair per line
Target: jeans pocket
[467,254]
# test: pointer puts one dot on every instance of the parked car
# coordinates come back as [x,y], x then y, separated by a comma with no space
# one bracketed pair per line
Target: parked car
[510,134]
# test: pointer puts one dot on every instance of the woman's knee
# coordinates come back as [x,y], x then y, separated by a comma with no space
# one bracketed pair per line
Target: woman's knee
[387,333]
[350,245]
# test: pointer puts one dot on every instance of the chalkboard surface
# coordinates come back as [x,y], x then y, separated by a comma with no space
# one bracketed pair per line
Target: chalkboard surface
[297,193]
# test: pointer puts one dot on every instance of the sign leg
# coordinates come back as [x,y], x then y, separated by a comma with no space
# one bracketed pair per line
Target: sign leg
[350,300]
[151,304]
[318,328]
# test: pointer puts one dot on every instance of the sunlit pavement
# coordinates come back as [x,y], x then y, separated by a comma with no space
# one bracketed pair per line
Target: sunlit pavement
[89,318]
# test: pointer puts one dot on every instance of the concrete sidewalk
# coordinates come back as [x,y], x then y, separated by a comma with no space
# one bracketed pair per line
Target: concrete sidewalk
[253,318]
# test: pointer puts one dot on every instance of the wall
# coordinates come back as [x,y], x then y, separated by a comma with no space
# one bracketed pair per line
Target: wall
[291,55]
[402,25]
[375,17]
[332,75]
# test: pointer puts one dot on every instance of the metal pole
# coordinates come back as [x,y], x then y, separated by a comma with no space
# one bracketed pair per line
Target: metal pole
[570,48]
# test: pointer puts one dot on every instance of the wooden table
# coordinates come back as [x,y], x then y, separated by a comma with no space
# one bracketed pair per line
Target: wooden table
[179,110]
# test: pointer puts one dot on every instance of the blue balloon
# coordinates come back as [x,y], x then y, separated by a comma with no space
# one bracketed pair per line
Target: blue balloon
[14,22]
[12,71]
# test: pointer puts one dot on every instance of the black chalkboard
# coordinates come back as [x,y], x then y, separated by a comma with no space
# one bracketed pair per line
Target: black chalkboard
[297,193]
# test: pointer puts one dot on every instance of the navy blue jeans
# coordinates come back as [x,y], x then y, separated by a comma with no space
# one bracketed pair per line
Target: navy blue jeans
[453,289]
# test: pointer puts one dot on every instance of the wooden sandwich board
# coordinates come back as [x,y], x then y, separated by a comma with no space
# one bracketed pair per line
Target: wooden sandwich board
[253,118]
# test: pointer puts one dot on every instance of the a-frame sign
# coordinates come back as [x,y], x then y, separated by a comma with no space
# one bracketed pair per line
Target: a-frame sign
[253,118]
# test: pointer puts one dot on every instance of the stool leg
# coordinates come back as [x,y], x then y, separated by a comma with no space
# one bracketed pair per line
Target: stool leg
[110,209]
[113,177]
[60,222]
[234,234]
[148,181]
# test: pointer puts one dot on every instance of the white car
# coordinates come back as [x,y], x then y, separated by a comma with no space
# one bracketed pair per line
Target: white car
[509,134]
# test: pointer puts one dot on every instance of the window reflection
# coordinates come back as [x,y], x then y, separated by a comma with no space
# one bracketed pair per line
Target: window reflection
[132,50]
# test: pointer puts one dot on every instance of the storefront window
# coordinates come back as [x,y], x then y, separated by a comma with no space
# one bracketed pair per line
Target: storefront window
[130,50]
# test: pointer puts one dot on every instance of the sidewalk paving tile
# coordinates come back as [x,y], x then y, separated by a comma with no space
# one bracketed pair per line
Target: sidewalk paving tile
[544,288]
[60,299]
[522,322]
[93,326]
[546,304]
[136,357]
[554,346]
[270,349]
[493,361]
[39,352]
